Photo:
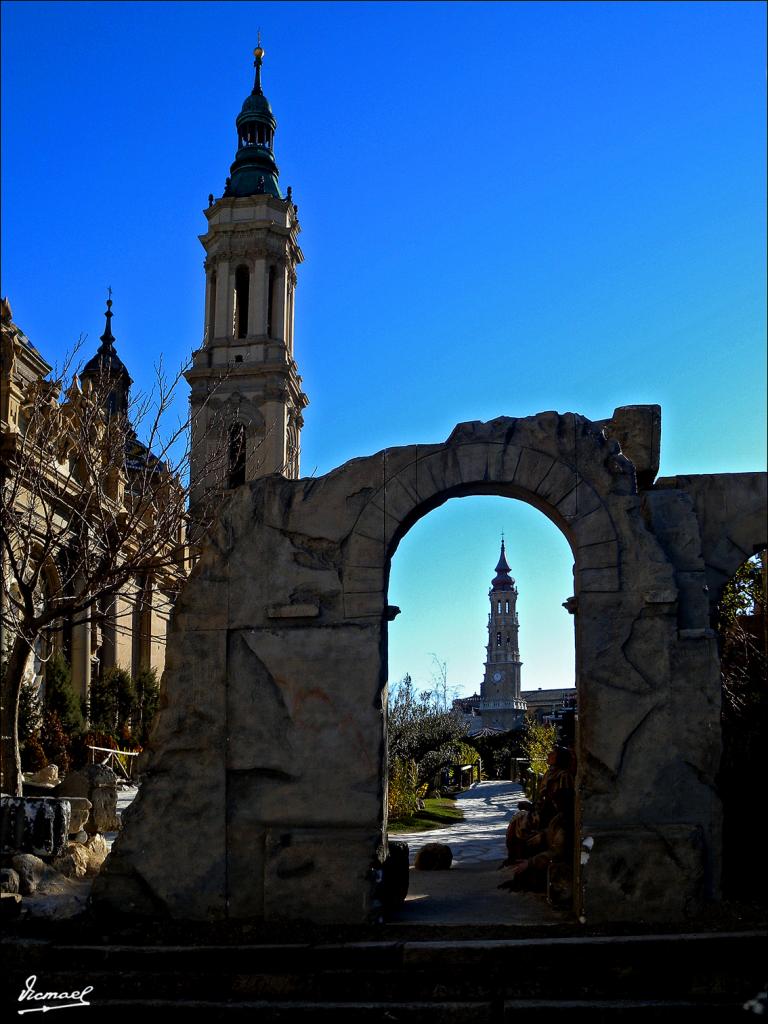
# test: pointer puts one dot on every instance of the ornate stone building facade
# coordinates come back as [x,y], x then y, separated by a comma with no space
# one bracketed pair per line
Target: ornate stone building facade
[53,499]
[246,392]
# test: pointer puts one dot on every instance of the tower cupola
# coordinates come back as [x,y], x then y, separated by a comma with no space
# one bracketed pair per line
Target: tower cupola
[502,580]
[255,171]
[107,366]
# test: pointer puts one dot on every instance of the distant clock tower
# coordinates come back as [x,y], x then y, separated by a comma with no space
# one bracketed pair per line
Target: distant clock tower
[501,705]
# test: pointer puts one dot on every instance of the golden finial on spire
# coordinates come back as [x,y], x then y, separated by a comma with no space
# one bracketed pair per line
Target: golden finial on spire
[258,53]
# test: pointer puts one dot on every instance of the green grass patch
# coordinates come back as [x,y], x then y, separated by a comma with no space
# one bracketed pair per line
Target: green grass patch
[436,814]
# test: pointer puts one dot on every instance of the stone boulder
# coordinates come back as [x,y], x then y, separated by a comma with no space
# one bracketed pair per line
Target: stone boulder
[80,810]
[73,863]
[434,857]
[34,874]
[98,784]
[81,860]
[9,880]
[48,776]
[97,853]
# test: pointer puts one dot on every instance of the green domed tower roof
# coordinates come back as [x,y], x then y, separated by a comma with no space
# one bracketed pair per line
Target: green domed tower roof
[254,171]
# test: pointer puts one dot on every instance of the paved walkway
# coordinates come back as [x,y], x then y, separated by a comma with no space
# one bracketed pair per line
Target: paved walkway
[469,893]
[488,807]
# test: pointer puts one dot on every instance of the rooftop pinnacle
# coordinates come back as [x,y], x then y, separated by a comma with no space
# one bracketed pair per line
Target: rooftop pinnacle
[502,580]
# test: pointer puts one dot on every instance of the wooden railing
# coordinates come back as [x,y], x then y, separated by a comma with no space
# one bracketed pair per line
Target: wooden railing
[120,761]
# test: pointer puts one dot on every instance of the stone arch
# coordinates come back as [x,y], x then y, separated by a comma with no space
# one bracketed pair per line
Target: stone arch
[540,479]
[239,408]
[732,512]
[267,756]
[744,536]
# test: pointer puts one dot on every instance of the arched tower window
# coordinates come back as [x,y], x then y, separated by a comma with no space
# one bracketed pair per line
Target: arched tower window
[237,454]
[242,288]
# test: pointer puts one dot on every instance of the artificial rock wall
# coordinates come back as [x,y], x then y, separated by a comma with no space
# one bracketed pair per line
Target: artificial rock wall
[267,764]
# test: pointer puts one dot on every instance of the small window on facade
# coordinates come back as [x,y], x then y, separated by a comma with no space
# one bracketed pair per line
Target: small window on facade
[506,607]
[498,639]
[498,607]
[242,287]
[238,359]
[237,455]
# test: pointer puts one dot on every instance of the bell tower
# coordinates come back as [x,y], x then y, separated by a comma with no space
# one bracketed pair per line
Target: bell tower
[246,397]
[501,704]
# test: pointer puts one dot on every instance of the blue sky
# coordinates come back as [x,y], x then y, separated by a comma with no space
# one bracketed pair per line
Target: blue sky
[506,208]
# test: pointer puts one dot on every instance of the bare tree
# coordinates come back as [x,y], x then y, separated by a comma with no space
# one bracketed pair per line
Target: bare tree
[440,680]
[94,493]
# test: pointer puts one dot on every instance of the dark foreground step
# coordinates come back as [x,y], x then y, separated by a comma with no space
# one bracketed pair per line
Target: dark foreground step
[494,980]
[510,1012]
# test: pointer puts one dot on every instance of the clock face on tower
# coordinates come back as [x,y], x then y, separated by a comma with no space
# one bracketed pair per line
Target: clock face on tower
[497,677]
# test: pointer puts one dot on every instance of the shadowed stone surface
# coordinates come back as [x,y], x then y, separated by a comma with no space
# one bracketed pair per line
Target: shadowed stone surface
[97,784]
[267,759]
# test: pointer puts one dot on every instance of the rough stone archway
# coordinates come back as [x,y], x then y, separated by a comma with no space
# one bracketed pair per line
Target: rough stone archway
[267,759]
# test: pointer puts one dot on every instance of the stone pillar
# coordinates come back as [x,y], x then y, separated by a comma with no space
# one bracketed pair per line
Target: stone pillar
[123,611]
[279,304]
[224,300]
[271,453]
[108,632]
[211,279]
[291,311]
[158,627]
[81,654]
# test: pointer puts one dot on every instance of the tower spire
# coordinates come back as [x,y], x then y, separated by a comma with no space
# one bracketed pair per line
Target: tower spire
[258,54]
[502,579]
[107,337]
[107,366]
[254,171]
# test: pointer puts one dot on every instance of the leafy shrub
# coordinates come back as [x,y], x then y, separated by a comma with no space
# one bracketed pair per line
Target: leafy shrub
[465,754]
[30,711]
[403,801]
[147,703]
[60,696]
[55,741]
[79,752]
[113,703]
[32,754]
[538,740]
